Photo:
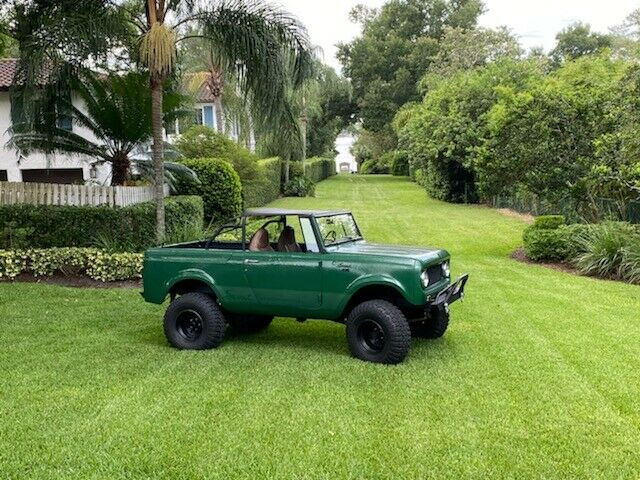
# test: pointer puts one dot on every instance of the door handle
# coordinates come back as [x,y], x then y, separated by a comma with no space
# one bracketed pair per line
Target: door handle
[251,261]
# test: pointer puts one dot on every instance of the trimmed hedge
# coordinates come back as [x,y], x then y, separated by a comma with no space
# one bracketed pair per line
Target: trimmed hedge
[96,264]
[267,189]
[549,221]
[124,229]
[219,187]
[318,169]
[400,164]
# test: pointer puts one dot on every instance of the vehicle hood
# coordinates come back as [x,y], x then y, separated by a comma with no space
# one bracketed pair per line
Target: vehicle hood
[422,254]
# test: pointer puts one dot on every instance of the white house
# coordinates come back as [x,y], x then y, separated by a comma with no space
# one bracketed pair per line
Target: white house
[345,161]
[77,168]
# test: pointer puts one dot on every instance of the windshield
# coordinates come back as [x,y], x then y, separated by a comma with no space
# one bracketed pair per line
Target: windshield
[338,229]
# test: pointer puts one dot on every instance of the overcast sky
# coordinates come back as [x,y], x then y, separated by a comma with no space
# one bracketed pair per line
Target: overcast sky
[535,22]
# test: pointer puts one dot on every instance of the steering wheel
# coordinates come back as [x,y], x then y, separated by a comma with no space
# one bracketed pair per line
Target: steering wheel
[330,237]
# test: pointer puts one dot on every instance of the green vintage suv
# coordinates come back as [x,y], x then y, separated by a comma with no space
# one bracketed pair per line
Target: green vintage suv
[301,264]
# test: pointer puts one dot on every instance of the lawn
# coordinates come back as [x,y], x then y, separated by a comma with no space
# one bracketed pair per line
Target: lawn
[538,376]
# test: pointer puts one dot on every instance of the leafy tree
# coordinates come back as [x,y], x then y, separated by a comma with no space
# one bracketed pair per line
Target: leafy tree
[541,140]
[577,40]
[118,116]
[239,32]
[396,47]
[442,133]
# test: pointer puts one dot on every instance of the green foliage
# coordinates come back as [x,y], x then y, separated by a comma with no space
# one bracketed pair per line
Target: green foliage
[578,40]
[121,229]
[610,250]
[300,186]
[219,187]
[96,264]
[545,244]
[400,164]
[13,237]
[318,169]
[548,222]
[442,134]
[396,47]
[267,188]
[378,166]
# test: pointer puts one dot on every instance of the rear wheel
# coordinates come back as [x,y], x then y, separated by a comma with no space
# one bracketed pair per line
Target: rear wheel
[249,323]
[378,332]
[194,322]
[432,327]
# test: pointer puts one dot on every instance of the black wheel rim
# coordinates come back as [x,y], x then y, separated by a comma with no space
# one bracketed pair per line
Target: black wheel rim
[371,335]
[189,325]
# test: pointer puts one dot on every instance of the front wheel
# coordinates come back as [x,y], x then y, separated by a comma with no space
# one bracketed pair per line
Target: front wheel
[432,327]
[377,331]
[194,322]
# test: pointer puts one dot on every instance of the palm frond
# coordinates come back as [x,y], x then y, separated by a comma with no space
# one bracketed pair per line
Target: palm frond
[176,175]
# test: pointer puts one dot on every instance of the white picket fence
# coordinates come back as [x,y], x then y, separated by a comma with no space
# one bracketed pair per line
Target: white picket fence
[12,193]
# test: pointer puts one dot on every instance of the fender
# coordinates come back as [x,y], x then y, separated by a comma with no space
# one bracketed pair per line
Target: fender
[193,274]
[373,280]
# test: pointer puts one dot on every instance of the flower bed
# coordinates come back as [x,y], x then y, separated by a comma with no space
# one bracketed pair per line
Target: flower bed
[96,264]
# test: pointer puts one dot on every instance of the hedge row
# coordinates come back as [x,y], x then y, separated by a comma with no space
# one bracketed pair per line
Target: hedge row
[267,188]
[96,264]
[318,169]
[130,229]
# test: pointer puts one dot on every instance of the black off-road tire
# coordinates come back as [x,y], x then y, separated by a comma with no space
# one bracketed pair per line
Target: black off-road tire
[248,323]
[194,322]
[367,321]
[433,327]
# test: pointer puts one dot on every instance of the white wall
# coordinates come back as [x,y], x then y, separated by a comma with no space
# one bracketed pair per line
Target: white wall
[10,161]
[343,145]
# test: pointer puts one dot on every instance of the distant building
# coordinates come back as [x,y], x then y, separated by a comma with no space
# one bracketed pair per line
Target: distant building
[345,161]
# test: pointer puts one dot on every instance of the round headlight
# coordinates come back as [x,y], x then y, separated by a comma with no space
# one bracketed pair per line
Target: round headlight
[424,276]
[446,269]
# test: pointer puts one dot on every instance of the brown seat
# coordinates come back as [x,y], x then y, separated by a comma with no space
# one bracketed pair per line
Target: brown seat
[260,242]
[287,241]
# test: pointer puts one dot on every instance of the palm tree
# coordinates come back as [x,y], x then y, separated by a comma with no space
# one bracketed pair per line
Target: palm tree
[267,49]
[118,115]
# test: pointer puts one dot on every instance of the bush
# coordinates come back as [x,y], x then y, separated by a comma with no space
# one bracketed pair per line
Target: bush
[400,164]
[130,228]
[96,264]
[545,245]
[610,250]
[219,188]
[319,169]
[299,187]
[377,166]
[548,222]
[267,188]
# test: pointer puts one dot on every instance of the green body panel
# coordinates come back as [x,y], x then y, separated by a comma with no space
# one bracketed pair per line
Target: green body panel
[313,285]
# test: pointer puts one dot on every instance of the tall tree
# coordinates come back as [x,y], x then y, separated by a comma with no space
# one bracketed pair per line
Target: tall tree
[267,48]
[397,45]
[577,40]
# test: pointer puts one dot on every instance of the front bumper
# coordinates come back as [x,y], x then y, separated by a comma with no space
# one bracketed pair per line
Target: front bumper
[451,294]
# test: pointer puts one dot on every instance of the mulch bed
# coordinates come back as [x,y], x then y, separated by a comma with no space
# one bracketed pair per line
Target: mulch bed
[74,281]
[520,256]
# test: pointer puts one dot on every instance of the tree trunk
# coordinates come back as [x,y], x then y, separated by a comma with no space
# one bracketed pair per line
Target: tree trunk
[119,168]
[286,169]
[158,156]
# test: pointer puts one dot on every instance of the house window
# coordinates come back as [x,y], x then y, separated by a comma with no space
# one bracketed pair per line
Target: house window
[171,127]
[206,115]
[53,175]
[64,119]
[3,175]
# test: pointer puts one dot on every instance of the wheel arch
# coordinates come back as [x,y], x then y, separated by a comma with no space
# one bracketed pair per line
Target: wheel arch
[192,281]
[374,289]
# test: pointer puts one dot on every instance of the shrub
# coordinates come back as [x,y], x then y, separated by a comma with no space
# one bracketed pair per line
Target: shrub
[267,188]
[96,264]
[299,187]
[377,166]
[548,222]
[609,250]
[319,169]
[204,142]
[400,164]
[219,188]
[545,244]
[130,228]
